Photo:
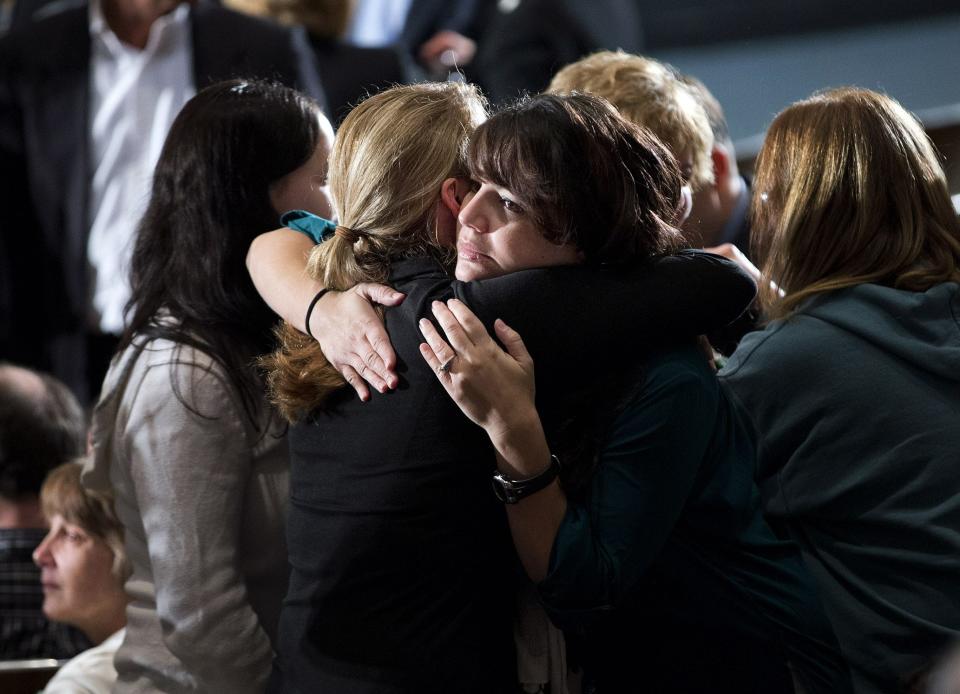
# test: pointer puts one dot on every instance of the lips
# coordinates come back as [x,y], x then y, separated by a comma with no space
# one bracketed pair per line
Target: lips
[468,251]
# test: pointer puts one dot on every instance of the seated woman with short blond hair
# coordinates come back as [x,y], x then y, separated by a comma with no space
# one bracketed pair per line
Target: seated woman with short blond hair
[83,567]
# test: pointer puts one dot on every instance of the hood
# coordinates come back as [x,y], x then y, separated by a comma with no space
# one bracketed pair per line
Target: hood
[922,328]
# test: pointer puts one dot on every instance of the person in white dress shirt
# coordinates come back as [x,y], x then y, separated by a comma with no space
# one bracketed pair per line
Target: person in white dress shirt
[87,95]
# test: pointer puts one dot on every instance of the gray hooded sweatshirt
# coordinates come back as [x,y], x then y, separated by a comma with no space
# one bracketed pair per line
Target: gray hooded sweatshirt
[855,405]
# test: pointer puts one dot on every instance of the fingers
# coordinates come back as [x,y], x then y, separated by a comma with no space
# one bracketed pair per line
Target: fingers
[369,351]
[374,357]
[440,352]
[429,356]
[731,252]
[382,358]
[451,327]
[379,294]
[511,339]
[707,350]
[357,383]
[472,327]
[370,368]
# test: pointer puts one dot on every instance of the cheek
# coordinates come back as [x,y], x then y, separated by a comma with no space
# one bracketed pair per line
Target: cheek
[321,203]
[85,579]
[521,251]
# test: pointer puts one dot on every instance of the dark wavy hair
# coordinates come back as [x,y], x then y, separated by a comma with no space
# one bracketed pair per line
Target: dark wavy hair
[587,175]
[210,199]
[590,178]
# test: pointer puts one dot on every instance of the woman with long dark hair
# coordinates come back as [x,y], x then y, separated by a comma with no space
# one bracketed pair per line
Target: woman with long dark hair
[194,455]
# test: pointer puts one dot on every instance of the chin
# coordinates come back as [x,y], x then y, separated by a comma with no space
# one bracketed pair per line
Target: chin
[466,274]
[52,612]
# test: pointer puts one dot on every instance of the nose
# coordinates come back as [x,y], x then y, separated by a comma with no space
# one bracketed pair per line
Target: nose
[471,215]
[41,555]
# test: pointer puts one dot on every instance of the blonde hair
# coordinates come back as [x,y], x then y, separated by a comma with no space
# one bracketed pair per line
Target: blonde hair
[649,94]
[62,494]
[849,190]
[389,159]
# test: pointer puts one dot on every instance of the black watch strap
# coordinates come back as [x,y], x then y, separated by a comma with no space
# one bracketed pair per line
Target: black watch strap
[511,491]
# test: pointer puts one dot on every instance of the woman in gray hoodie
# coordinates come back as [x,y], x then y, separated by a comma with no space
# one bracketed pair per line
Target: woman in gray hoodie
[853,388]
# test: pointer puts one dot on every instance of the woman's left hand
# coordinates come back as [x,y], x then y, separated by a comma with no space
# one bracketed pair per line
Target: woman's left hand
[494,387]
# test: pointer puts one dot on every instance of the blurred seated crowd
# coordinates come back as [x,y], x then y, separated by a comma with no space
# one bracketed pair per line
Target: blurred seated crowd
[389,346]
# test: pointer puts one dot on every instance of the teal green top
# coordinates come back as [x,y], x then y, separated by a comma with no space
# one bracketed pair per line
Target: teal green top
[317,229]
[673,504]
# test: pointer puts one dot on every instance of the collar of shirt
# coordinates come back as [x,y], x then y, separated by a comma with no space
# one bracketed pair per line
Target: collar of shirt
[101,32]
[377,22]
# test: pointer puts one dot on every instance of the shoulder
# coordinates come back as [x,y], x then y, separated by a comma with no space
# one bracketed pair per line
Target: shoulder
[682,373]
[786,341]
[364,55]
[44,43]
[674,382]
[91,671]
[674,407]
[222,19]
[160,376]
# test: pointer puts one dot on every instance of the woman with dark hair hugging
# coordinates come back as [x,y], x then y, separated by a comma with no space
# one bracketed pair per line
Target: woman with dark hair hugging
[183,434]
[402,571]
[640,524]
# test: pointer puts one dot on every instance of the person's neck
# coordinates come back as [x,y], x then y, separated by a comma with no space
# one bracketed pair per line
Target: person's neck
[728,193]
[21,514]
[130,20]
[107,624]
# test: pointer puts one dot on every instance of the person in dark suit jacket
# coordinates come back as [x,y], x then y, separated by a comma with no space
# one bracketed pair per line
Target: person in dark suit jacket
[349,73]
[528,41]
[437,35]
[46,164]
[436,27]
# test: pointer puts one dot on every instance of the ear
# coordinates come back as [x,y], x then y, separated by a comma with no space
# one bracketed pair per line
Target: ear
[721,163]
[453,191]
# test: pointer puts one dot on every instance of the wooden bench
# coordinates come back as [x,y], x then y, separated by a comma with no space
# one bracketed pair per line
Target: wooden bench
[27,676]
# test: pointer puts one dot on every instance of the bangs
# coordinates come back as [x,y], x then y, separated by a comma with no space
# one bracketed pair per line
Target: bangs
[498,154]
[508,153]
[62,494]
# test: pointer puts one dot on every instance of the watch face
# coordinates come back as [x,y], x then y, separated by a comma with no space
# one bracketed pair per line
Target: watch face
[504,490]
[511,491]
